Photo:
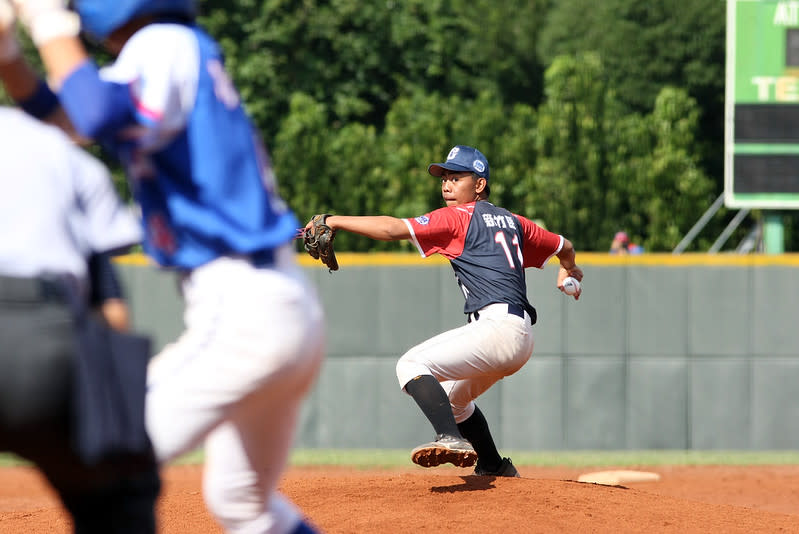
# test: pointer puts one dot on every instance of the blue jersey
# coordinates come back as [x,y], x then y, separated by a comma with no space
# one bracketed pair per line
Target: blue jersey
[195,163]
[488,248]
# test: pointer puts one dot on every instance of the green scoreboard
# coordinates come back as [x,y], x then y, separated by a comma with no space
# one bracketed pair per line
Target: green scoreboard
[761,164]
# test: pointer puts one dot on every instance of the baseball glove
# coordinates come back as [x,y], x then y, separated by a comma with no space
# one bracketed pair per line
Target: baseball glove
[318,241]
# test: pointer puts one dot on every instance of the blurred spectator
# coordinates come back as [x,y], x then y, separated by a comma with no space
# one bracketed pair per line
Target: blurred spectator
[621,245]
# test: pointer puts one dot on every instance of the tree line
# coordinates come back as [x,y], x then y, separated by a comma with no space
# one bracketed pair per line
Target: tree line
[595,116]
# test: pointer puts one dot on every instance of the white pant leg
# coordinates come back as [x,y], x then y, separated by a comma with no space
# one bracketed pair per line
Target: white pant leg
[246,329]
[244,461]
[253,345]
[470,359]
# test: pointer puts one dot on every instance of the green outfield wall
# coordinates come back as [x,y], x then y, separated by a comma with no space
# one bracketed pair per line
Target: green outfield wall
[661,352]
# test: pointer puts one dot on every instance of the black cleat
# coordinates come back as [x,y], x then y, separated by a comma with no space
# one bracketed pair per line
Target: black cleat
[506,469]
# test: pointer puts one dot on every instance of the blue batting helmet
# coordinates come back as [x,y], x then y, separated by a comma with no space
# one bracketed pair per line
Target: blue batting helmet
[101,17]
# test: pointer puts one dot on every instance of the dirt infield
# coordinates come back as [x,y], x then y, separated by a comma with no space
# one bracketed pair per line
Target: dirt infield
[340,500]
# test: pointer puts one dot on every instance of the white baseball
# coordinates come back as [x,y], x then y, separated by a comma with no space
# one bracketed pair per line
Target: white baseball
[571,285]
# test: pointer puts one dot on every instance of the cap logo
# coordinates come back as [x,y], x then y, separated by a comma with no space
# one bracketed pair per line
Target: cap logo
[453,153]
[478,165]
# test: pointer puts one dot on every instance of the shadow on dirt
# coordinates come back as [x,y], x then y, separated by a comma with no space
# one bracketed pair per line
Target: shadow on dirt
[470,483]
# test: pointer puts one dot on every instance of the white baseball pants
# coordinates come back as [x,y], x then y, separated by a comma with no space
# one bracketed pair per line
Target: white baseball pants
[470,359]
[234,381]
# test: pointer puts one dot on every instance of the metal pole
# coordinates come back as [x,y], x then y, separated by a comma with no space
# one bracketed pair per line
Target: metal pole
[752,241]
[733,224]
[682,245]
[773,233]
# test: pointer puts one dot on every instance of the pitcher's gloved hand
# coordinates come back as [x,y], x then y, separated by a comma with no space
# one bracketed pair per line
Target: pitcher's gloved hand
[318,241]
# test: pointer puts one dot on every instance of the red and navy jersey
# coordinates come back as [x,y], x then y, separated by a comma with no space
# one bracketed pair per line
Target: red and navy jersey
[488,248]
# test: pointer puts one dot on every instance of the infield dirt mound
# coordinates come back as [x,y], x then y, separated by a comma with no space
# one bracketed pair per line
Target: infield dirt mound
[340,500]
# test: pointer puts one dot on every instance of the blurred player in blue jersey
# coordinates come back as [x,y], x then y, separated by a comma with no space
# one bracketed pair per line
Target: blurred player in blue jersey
[253,344]
[489,249]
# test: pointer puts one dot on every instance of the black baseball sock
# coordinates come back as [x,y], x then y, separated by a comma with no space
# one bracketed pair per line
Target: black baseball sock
[434,403]
[475,429]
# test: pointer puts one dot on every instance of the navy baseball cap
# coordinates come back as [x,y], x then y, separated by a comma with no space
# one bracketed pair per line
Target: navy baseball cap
[462,158]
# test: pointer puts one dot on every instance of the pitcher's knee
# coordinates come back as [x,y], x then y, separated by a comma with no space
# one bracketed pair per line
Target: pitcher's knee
[408,370]
[462,411]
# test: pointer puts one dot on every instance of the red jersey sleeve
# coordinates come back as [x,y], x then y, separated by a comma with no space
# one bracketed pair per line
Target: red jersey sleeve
[442,231]
[539,244]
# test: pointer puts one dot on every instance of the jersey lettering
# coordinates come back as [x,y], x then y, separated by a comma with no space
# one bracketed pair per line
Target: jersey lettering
[499,237]
[499,221]
[488,248]
[518,249]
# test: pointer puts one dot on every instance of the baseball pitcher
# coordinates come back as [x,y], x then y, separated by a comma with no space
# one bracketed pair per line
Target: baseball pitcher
[489,249]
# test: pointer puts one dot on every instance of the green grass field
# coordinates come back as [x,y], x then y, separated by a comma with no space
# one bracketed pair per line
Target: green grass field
[382,458]
[386,459]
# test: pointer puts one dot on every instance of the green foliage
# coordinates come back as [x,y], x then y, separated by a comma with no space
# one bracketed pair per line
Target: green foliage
[571,177]
[301,154]
[598,168]
[646,46]
[357,58]
[324,170]
[594,116]
[580,164]
[683,191]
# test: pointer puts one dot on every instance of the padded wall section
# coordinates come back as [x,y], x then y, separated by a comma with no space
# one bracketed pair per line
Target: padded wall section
[655,355]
